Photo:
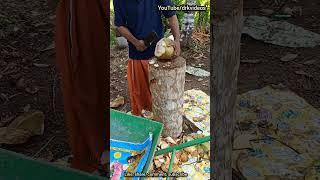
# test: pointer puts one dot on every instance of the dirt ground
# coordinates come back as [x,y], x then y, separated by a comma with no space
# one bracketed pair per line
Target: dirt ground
[26,39]
[26,52]
[271,70]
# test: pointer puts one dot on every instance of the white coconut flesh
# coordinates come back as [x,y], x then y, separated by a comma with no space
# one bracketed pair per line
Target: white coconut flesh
[164,49]
[160,48]
[171,37]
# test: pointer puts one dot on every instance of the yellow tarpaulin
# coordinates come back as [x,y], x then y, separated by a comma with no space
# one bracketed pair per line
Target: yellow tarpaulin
[277,133]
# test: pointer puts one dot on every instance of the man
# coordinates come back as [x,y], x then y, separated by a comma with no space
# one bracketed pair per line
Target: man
[81,50]
[135,19]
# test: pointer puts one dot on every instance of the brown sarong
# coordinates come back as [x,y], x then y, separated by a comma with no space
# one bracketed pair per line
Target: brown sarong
[82,42]
[138,84]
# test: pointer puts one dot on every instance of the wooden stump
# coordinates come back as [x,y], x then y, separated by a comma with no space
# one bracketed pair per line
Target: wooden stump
[167,81]
[226,28]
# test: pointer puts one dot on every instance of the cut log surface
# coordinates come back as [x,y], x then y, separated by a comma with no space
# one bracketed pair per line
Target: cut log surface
[167,79]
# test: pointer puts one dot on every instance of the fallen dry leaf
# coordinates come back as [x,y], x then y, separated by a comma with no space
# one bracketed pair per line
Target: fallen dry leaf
[301,72]
[164,145]
[195,153]
[117,102]
[147,114]
[170,140]
[200,150]
[206,156]
[178,154]
[176,168]
[176,160]
[158,157]
[32,122]
[289,57]
[162,160]
[14,136]
[184,157]
[190,149]
[157,163]
[32,89]
[310,62]
[152,167]
[165,166]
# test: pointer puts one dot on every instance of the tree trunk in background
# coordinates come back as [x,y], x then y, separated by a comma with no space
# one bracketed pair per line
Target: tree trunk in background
[226,27]
[167,81]
[187,26]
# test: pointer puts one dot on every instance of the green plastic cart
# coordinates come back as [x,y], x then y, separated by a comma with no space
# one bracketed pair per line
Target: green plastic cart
[126,127]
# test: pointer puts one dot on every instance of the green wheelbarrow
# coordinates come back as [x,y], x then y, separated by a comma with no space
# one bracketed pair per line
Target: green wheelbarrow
[15,166]
[124,127]
[133,129]
[129,137]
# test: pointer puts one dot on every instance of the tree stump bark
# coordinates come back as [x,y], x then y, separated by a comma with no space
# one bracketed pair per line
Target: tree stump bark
[167,81]
[226,29]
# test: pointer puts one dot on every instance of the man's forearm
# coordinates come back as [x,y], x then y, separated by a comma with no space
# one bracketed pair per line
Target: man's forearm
[127,34]
[174,26]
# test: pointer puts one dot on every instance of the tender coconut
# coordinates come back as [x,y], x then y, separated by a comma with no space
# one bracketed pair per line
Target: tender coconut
[164,49]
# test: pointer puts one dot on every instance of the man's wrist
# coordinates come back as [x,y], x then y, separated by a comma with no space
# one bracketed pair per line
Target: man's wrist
[135,42]
[177,40]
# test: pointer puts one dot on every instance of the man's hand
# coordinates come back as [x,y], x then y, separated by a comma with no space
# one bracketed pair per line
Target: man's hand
[177,49]
[176,46]
[174,26]
[140,46]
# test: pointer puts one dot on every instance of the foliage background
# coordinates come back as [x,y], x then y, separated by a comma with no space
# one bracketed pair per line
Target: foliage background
[201,18]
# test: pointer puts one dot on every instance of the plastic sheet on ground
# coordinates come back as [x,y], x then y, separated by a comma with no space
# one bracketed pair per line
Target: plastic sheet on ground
[277,133]
[279,136]
[279,33]
[197,109]
[196,170]
[197,71]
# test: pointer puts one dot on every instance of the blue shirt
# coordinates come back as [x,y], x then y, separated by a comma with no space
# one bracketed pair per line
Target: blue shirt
[141,17]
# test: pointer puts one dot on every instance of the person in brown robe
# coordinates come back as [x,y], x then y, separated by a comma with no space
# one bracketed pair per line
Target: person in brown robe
[82,44]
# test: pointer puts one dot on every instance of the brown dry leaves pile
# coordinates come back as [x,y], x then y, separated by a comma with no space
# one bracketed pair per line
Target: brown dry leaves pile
[199,152]
[190,155]
[117,102]
[201,37]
